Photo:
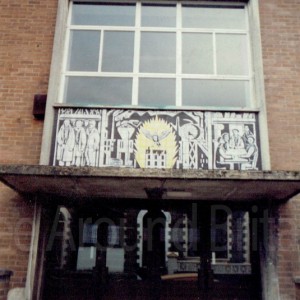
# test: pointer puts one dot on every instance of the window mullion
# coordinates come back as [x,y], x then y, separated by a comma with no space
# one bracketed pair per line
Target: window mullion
[178,56]
[214,52]
[101,50]
[252,98]
[136,61]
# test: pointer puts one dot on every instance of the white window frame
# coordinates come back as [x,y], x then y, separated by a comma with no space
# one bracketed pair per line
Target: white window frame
[178,75]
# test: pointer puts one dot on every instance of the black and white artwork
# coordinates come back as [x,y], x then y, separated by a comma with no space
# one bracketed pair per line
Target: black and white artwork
[235,141]
[156,139]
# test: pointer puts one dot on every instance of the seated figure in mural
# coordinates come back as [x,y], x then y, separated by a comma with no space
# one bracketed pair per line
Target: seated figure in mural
[65,144]
[92,146]
[251,154]
[80,143]
[236,141]
[222,150]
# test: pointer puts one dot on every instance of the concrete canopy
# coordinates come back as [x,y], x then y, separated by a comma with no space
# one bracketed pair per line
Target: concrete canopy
[125,183]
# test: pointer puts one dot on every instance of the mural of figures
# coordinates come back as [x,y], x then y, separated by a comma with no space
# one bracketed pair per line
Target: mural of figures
[92,147]
[65,143]
[80,143]
[156,139]
[77,139]
[234,141]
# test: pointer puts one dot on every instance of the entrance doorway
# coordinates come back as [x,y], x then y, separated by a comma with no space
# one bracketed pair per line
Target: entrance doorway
[153,231]
[190,250]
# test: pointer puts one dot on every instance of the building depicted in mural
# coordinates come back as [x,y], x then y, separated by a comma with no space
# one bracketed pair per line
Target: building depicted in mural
[149,150]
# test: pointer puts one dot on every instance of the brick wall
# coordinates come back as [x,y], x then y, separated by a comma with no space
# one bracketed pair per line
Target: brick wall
[288,255]
[280,29]
[26,41]
[15,234]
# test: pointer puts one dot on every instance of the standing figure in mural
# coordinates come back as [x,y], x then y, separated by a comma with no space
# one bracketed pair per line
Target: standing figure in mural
[246,135]
[236,141]
[92,147]
[80,143]
[66,143]
[251,154]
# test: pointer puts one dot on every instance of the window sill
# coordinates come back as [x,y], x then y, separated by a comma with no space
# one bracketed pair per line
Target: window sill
[173,108]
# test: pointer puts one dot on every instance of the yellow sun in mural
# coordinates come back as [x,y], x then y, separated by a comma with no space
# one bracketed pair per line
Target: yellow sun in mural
[156,145]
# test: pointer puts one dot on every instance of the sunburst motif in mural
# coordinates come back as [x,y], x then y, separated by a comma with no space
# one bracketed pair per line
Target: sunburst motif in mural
[156,144]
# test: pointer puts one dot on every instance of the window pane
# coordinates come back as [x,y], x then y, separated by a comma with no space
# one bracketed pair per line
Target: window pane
[213,17]
[220,93]
[84,50]
[94,90]
[158,52]
[157,92]
[89,233]
[113,236]
[118,51]
[159,15]
[232,54]
[103,14]
[197,53]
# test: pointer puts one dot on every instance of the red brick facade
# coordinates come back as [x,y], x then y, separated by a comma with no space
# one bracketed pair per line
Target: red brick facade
[280,29]
[27,31]
[280,32]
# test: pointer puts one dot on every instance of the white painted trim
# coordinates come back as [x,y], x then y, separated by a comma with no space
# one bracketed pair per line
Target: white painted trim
[254,22]
[54,79]
[32,260]
[172,108]
[156,29]
[64,63]
[140,218]
[101,50]
[157,75]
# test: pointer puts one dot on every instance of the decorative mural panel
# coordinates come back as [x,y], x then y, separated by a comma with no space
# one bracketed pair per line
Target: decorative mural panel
[156,139]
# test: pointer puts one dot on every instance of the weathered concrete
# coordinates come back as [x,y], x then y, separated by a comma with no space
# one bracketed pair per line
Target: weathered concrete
[221,185]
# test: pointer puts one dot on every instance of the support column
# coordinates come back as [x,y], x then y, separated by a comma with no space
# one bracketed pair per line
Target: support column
[205,275]
[237,227]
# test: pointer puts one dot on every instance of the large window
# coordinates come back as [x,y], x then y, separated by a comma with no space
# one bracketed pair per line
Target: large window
[158,55]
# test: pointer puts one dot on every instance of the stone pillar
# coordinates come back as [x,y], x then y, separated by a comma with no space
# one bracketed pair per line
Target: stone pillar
[237,227]
[4,283]
[205,275]
[130,241]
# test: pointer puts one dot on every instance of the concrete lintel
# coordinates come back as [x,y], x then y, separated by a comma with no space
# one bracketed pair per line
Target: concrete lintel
[131,183]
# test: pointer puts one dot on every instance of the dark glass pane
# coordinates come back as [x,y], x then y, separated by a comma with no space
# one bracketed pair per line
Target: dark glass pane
[158,16]
[118,51]
[84,50]
[158,52]
[94,90]
[157,92]
[103,14]
[221,93]
[213,17]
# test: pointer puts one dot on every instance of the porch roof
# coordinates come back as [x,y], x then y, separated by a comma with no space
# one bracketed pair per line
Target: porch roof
[127,183]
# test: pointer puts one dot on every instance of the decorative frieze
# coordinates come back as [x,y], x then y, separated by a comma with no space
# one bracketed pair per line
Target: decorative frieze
[156,139]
